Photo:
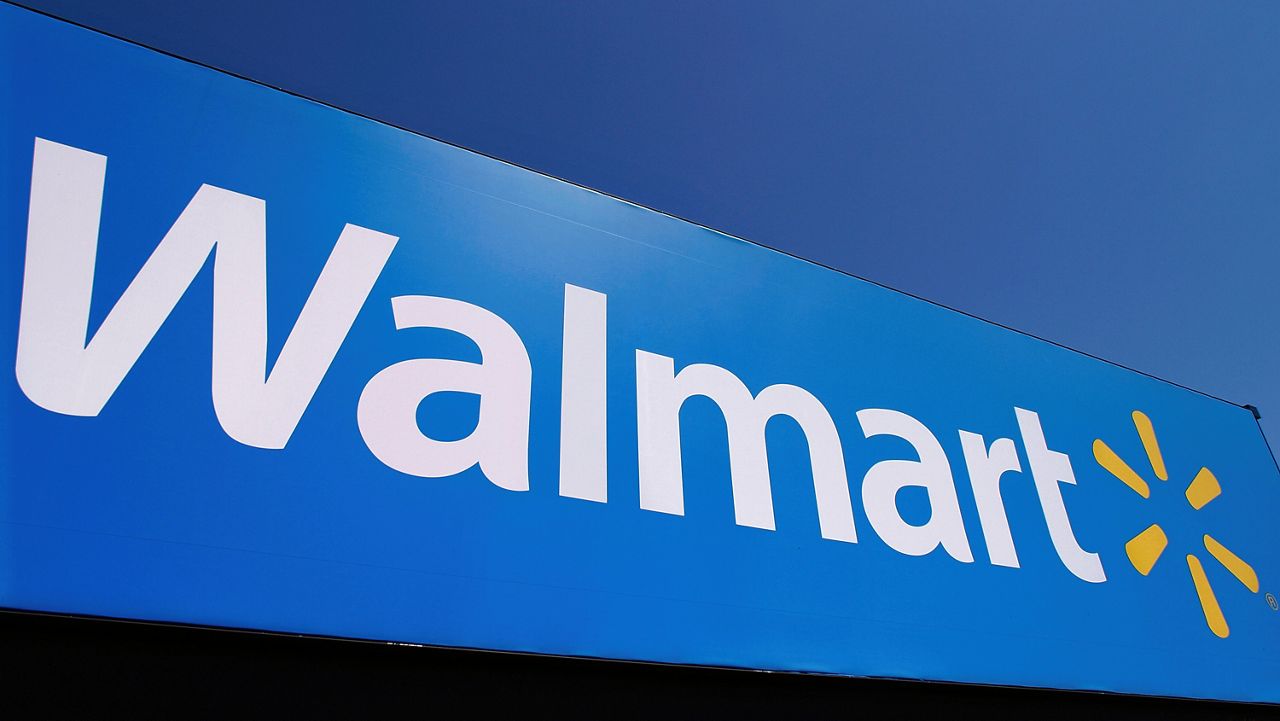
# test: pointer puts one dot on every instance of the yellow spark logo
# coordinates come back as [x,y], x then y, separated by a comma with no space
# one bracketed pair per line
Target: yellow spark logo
[1145,548]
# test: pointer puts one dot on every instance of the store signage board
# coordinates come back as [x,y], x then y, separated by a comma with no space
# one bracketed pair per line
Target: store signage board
[280,367]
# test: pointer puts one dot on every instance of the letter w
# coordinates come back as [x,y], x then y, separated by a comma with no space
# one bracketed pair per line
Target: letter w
[59,371]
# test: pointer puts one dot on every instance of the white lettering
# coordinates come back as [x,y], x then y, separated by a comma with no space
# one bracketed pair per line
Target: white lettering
[1050,468]
[660,394]
[59,371]
[387,413]
[881,485]
[986,468]
[583,397]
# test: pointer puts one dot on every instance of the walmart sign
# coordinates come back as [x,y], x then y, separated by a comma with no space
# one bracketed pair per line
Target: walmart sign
[280,367]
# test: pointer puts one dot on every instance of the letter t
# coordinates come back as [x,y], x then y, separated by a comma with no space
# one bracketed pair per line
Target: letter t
[1049,468]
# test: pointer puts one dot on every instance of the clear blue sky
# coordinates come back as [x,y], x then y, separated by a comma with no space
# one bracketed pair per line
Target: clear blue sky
[1102,174]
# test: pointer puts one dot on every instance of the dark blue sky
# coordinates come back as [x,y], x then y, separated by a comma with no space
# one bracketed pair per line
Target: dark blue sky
[1102,174]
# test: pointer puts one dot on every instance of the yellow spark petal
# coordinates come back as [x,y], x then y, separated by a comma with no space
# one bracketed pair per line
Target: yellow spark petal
[1148,434]
[1208,602]
[1203,489]
[1236,565]
[1108,459]
[1145,548]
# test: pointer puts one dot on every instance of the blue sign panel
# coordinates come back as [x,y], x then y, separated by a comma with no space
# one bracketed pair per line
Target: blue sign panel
[280,367]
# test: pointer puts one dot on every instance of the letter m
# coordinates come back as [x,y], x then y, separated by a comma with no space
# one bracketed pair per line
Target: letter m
[60,369]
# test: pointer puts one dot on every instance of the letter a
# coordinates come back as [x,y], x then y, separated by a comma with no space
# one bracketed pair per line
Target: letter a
[388,409]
